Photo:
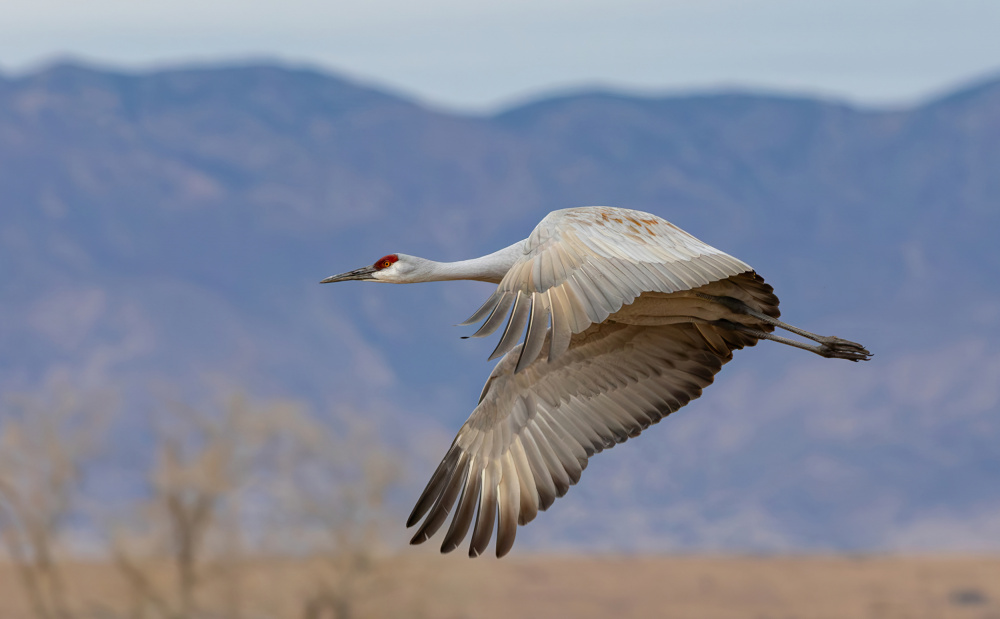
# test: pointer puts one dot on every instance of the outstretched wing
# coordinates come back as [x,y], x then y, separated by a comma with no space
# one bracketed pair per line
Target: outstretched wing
[529,438]
[581,265]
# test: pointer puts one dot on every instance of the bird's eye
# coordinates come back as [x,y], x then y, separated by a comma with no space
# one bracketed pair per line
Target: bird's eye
[385,262]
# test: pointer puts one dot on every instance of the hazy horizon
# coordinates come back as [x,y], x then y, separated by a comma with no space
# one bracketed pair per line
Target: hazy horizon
[943,90]
[474,58]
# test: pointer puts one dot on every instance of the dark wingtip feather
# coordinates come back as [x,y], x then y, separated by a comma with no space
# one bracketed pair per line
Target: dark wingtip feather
[504,544]
[534,339]
[487,514]
[506,529]
[515,326]
[445,499]
[433,488]
[497,316]
[484,310]
[464,513]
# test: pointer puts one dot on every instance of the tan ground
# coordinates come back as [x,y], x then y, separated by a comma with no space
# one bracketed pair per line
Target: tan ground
[689,587]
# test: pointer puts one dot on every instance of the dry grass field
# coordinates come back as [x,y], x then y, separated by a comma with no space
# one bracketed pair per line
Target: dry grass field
[688,587]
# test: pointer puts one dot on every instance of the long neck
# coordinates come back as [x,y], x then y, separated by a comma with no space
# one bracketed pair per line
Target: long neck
[490,268]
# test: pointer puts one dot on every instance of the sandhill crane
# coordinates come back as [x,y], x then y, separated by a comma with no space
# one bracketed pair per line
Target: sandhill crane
[625,318]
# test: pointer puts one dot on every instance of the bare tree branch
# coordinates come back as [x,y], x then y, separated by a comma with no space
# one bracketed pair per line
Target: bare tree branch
[45,441]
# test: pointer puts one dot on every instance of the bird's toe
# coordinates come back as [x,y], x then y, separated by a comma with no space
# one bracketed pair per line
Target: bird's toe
[837,348]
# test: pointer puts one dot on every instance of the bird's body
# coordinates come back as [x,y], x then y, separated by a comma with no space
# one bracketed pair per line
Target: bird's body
[624,319]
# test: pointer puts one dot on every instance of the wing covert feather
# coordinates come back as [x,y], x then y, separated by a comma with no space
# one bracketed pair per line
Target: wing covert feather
[582,265]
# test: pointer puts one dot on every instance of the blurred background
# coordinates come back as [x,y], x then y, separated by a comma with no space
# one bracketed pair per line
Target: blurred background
[190,426]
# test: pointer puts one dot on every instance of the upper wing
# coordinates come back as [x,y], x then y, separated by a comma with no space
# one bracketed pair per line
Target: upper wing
[581,265]
[529,438]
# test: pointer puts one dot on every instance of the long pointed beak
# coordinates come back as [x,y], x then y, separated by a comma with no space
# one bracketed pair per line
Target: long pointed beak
[360,274]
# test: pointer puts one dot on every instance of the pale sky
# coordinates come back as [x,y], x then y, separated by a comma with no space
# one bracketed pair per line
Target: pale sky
[480,55]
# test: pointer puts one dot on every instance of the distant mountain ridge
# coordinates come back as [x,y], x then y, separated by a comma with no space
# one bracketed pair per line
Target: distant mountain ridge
[167,227]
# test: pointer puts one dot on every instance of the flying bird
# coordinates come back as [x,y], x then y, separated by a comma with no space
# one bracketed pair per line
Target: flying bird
[612,319]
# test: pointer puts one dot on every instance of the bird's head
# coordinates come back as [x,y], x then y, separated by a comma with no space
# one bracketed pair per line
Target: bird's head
[394,269]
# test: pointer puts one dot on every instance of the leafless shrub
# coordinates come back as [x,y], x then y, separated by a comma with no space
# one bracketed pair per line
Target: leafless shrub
[243,481]
[238,492]
[45,441]
[343,508]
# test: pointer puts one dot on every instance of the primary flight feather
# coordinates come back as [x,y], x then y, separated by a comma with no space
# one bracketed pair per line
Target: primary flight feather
[612,319]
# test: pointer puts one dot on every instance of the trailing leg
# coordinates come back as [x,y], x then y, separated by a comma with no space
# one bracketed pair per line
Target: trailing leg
[828,346]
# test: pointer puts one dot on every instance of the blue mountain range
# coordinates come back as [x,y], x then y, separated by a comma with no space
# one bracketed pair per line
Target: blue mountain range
[170,228]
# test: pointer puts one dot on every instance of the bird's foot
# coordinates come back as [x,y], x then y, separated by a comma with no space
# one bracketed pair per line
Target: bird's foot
[837,348]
